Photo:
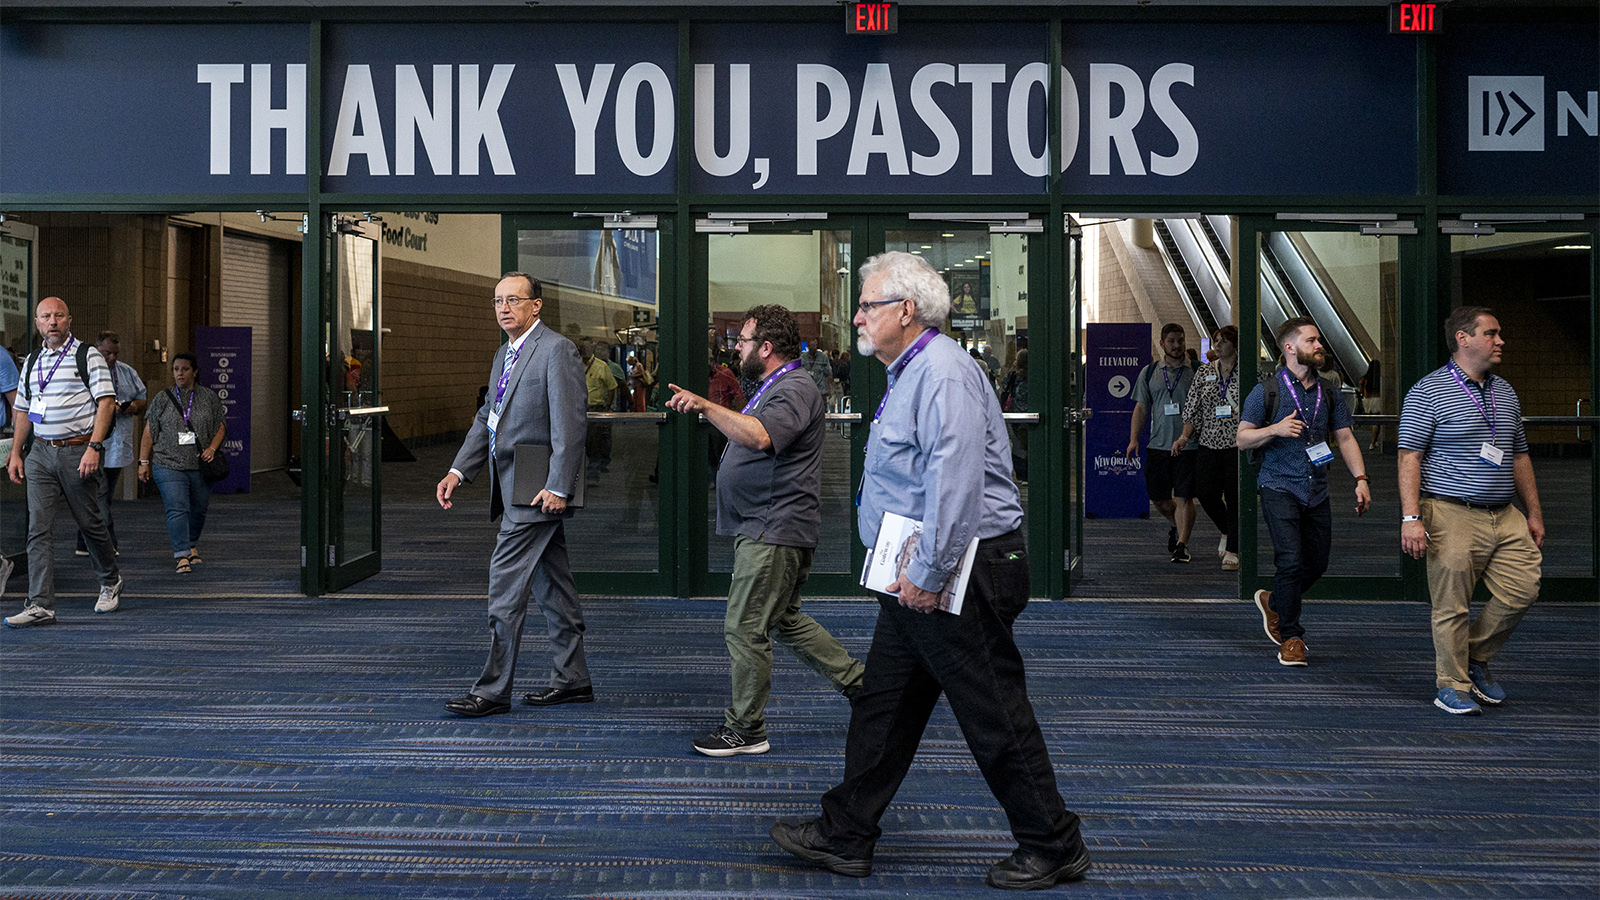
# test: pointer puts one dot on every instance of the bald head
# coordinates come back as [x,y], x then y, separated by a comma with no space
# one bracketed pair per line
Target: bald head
[53,321]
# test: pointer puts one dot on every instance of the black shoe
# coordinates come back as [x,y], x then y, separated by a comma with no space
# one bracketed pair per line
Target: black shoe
[805,840]
[1172,539]
[1180,553]
[1025,870]
[472,706]
[552,696]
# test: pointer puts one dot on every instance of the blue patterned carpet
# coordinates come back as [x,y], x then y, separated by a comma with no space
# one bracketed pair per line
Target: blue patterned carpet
[261,745]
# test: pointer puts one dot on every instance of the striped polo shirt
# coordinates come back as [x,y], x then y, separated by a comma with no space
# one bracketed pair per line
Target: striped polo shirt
[69,405]
[1448,424]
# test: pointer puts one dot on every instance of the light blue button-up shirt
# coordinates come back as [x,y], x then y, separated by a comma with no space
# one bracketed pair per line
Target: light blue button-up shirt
[940,454]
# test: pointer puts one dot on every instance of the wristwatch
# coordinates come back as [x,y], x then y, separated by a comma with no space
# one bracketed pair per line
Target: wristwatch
[97,446]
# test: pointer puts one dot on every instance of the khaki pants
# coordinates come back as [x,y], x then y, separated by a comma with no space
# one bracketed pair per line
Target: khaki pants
[1464,546]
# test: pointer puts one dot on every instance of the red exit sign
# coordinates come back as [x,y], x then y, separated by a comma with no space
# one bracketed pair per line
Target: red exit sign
[1414,18]
[871,18]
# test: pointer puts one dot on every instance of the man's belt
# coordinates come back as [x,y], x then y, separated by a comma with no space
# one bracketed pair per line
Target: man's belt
[78,441]
[1491,507]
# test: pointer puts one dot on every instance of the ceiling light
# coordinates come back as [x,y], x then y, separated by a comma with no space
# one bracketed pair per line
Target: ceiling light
[948,234]
[1572,247]
[927,246]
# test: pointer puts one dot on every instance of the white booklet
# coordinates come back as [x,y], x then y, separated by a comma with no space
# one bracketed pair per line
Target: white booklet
[896,544]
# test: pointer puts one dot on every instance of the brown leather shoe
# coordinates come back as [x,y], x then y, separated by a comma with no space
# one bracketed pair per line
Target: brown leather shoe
[1292,653]
[1269,619]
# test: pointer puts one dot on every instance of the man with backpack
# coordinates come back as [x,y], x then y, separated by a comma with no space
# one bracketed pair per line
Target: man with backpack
[65,402]
[1290,420]
[1159,393]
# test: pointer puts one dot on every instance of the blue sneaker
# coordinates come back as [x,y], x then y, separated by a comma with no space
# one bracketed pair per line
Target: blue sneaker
[1483,687]
[1454,704]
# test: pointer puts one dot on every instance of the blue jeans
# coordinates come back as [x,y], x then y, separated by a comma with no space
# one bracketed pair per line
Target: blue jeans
[186,496]
[1301,539]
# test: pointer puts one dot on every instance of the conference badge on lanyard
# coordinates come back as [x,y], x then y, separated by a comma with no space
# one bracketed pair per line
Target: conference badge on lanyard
[1489,453]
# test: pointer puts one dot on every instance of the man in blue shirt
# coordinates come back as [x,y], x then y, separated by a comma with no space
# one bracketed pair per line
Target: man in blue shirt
[1457,426]
[938,453]
[1293,483]
[8,390]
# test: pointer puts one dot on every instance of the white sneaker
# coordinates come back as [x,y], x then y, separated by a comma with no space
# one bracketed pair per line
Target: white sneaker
[33,615]
[109,598]
[6,566]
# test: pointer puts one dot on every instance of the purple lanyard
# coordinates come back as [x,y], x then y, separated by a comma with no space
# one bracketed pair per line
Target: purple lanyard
[905,360]
[785,369]
[1227,381]
[1494,408]
[1295,396]
[505,376]
[1166,379]
[190,408]
[44,380]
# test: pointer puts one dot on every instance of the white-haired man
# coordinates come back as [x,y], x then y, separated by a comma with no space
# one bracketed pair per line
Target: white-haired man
[938,452]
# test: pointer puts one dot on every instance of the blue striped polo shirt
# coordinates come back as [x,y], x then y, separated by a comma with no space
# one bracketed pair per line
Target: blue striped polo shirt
[1449,424]
[69,406]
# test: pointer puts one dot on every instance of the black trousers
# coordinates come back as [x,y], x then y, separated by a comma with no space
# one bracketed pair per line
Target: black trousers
[1216,477]
[973,660]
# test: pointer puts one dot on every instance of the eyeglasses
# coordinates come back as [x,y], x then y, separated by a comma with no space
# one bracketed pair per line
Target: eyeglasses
[866,305]
[498,302]
[746,340]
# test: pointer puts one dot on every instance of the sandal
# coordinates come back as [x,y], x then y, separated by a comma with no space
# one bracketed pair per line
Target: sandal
[194,558]
[183,565]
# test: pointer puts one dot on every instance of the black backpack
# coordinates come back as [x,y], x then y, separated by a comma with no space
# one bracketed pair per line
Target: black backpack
[83,364]
[1254,456]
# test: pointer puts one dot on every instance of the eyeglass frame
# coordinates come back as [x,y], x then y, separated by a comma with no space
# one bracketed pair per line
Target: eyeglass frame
[866,306]
[509,302]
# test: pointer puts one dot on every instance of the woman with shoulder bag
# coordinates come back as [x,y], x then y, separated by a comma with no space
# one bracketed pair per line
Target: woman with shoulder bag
[184,427]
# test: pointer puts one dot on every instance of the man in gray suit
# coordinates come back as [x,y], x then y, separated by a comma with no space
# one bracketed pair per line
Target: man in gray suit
[538,397]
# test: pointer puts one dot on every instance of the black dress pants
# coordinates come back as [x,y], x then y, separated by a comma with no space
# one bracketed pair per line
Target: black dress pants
[973,660]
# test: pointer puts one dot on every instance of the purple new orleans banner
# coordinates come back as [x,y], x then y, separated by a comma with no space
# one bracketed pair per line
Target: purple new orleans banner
[224,354]
[1113,486]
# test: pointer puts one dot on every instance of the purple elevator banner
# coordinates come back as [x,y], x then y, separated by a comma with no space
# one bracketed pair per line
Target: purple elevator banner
[224,355]
[1113,485]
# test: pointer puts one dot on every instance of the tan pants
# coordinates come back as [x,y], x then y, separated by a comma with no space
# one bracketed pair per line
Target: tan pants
[1464,546]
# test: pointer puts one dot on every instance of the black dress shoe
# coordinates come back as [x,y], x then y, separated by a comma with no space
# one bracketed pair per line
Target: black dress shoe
[1025,870]
[806,841]
[472,706]
[552,696]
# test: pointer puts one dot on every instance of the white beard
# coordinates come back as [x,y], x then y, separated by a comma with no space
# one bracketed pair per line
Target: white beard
[864,346]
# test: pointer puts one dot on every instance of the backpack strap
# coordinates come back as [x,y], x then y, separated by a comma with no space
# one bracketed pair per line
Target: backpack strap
[83,362]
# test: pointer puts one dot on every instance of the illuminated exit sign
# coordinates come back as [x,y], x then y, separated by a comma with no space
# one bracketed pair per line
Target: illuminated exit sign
[1414,18]
[871,18]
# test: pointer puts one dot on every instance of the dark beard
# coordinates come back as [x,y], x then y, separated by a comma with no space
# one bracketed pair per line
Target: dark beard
[752,369]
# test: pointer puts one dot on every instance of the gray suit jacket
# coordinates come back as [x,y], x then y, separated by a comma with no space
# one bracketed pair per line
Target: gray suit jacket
[545,403]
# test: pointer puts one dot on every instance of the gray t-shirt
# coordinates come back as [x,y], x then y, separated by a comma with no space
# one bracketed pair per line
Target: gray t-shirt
[1157,387]
[164,420]
[775,497]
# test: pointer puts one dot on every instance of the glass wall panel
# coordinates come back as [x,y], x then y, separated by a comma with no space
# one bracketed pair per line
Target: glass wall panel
[1348,284]
[809,274]
[601,290]
[1538,286]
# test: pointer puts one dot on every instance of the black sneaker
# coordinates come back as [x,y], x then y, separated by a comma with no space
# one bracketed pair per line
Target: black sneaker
[727,742]
[1172,539]
[1180,553]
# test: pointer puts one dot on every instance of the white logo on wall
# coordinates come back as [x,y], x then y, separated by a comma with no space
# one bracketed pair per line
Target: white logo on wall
[1118,386]
[1505,112]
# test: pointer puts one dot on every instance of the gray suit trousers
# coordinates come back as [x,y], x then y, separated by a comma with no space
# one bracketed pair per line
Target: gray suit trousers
[52,477]
[530,558]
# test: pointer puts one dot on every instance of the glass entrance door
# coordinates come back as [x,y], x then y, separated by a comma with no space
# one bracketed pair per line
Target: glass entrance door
[603,280]
[807,267]
[352,398]
[1353,286]
[18,293]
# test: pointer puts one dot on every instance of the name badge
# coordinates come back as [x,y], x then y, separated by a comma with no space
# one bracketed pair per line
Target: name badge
[185,437]
[1319,453]
[1223,412]
[1172,409]
[494,421]
[1491,454]
[37,409]
[1211,377]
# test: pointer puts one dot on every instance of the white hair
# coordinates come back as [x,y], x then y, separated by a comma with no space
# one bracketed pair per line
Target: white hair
[910,277]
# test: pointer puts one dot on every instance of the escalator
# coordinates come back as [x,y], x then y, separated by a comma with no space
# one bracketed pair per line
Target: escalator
[1197,255]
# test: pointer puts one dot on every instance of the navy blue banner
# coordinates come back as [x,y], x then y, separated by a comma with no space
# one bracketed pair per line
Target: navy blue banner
[1519,110]
[153,108]
[1113,485]
[225,355]
[804,109]
[546,109]
[1261,109]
